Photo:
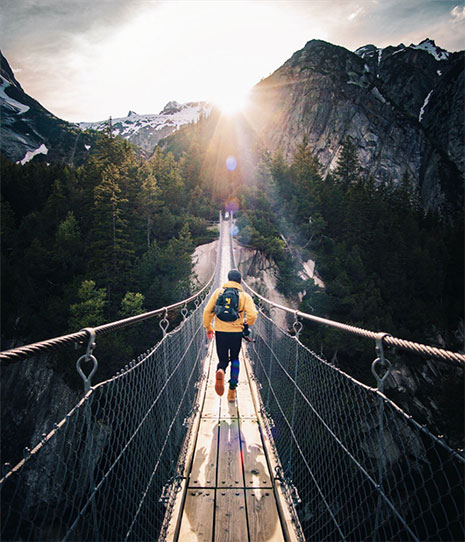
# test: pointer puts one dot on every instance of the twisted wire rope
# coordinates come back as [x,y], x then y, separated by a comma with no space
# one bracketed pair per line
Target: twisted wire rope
[388,339]
[14,355]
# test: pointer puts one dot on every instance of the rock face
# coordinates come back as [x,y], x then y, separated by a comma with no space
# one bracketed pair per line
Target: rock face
[402,107]
[35,398]
[28,131]
[146,131]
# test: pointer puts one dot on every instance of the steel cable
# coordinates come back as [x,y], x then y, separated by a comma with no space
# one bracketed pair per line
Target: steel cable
[14,355]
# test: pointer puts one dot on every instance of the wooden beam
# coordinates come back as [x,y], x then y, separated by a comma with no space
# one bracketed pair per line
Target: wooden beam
[264,524]
[197,519]
[229,455]
[230,516]
[203,473]
[256,470]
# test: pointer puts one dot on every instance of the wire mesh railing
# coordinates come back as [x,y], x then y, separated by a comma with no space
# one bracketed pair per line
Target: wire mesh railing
[109,468]
[356,465]
[100,473]
[359,467]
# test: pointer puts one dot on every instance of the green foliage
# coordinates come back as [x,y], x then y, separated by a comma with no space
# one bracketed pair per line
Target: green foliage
[112,221]
[89,310]
[385,263]
[257,227]
[131,305]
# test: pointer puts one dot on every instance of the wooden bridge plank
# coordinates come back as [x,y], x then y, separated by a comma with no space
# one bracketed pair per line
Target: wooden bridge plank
[256,470]
[230,516]
[264,524]
[211,406]
[203,472]
[245,403]
[197,519]
[228,408]
[229,455]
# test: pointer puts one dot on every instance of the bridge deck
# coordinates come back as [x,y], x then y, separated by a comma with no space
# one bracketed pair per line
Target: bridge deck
[229,493]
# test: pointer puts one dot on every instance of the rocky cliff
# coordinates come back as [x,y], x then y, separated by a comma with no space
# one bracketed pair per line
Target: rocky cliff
[28,131]
[402,107]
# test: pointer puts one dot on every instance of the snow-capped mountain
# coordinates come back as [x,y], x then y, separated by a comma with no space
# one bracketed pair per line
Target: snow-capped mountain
[147,130]
[28,131]
[426,45]
[401,106]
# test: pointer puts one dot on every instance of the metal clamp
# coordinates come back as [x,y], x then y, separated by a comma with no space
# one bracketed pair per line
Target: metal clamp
[164,323]
[297,325]
[184,312]
[381,361]
[88,356]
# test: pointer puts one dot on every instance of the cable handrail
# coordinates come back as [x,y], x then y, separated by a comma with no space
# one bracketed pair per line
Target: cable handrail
[14,355]
[386,338]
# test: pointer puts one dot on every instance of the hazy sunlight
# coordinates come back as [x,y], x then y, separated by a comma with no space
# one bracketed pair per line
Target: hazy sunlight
[231,102]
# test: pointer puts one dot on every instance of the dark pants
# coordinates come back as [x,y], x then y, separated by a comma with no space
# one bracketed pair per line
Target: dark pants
[228,346]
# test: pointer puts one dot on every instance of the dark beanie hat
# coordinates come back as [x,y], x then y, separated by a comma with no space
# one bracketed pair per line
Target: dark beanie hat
[234,275]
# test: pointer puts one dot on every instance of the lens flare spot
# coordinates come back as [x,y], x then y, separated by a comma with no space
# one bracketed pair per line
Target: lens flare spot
[232,205]
[231,163]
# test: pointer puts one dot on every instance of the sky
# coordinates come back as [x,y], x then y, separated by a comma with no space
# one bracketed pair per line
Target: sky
[86,60]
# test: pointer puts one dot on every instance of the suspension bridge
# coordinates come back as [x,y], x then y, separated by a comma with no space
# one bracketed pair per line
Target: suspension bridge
[305,453]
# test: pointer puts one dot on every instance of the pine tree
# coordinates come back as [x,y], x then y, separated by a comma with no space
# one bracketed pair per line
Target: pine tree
[348,166]
[111,250]
[68,246]
[89,310]
[150,203]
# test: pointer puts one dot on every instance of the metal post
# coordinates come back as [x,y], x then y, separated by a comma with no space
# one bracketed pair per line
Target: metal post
[380,361]
[88,356]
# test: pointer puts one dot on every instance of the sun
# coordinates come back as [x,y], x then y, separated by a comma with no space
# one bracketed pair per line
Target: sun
[231,102]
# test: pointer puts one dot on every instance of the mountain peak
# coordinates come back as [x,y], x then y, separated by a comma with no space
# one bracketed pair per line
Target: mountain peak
[7,73]
[171,107]
[430,47]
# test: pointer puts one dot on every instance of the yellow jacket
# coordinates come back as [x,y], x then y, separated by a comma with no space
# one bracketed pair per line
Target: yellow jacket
[246,305]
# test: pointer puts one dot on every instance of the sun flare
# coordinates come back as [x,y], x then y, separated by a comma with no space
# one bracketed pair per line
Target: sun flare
[231,102]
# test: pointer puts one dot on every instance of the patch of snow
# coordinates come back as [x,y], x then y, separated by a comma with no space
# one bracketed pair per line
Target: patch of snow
[423,107]
[380,54]
[399,51]
[30,154]
[364,51]
[377,94]
[439,72]
[14,104]
[87,147]
[431,48]
[177,116]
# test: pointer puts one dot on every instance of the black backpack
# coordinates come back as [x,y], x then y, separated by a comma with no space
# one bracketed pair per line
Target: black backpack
[227,305]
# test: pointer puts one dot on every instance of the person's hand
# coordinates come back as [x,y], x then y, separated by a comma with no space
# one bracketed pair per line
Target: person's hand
[210,334]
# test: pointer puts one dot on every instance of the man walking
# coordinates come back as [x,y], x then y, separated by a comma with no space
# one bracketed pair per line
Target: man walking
[228,306]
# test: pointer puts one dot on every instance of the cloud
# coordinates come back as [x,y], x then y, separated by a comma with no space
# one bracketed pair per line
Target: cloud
[87,59]
[355,14]
[458,13]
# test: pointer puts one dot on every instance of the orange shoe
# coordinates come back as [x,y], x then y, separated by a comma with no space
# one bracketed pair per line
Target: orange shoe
[219,384]
[231,395]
